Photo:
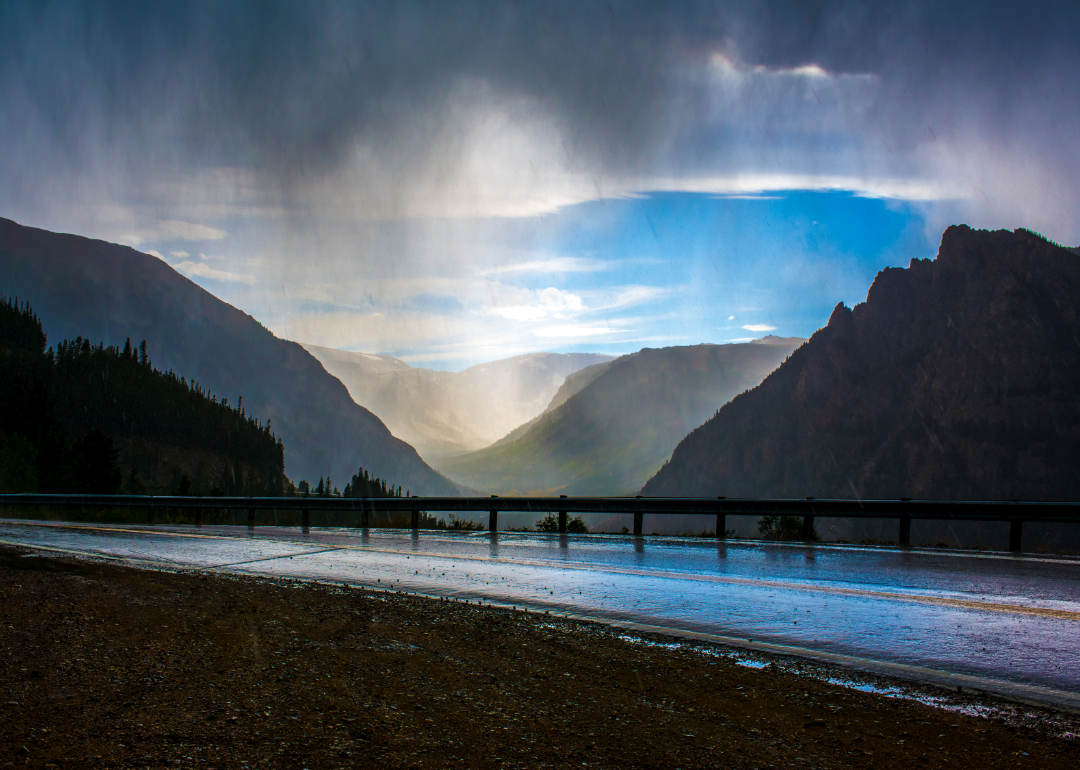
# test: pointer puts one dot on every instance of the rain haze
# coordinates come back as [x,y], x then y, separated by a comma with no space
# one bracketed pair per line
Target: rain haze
[532,384]
[457,183]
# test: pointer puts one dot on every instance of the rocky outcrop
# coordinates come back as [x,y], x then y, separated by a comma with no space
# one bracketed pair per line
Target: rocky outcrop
[957,378]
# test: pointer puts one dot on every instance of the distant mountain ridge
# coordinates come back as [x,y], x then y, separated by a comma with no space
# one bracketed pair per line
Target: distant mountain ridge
[103,291]
[619,421]
[574,384]
[957,378]
[447,413]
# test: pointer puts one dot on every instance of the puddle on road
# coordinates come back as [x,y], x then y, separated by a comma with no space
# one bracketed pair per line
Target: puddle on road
[833,601]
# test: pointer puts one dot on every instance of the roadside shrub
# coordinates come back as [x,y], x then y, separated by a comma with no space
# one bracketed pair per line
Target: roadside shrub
[465,525]
[783,528]
[550,523]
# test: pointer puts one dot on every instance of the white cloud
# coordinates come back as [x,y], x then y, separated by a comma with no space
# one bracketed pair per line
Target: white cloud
[153,253]
[754,184]
[542,304]
[627,296]
[751,197]
[731,318]
[554,265]
[656,338]
[577,330]
[180,254]
[202,270]
[722,66]
[172,230]
[759,328]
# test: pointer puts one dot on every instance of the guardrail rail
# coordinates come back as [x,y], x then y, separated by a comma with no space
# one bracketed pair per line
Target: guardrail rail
[1015,512]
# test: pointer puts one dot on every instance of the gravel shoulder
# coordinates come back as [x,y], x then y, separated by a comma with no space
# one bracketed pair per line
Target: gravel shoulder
[107,665]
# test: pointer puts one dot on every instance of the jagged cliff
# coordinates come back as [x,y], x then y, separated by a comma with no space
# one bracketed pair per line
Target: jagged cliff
[957,378]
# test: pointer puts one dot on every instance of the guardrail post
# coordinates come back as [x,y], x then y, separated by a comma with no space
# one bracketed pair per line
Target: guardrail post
[562,519]
[493,519]
[251,518]
[905,530]
[365,519]
[638,517]
[305,519]
[416,520]
[198,517]
[721,526]
[807,528]
[1016,535]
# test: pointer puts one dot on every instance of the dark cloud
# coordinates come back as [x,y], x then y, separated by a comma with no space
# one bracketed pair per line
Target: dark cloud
[289,88]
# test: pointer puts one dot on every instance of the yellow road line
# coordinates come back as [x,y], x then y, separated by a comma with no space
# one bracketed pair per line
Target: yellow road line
[942,601]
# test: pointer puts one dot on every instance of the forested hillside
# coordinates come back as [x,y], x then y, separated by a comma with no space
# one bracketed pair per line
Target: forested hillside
[103,291]
[94,419]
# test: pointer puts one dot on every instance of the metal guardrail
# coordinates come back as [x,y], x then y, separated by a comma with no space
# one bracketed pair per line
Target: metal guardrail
[1016,512]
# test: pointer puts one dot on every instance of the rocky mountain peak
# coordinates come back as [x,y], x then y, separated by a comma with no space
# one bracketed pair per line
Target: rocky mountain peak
[956,378]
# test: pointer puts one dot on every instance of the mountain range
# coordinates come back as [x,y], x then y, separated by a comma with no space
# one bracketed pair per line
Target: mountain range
[613,424]
[449,413]
[108,293]
[957,378]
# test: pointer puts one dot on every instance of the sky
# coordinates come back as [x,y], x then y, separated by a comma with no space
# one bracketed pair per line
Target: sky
[451,183]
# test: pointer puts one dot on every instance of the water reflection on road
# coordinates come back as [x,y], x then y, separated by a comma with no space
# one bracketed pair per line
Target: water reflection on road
[991,615]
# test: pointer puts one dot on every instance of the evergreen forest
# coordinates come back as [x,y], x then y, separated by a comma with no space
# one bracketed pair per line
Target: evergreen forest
[96,419]
[362,485]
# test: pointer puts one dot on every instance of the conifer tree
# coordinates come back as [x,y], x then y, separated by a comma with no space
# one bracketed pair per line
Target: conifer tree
[52,398]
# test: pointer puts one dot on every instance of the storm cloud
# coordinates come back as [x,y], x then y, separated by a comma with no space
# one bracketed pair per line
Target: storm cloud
[296,91]
[294,126]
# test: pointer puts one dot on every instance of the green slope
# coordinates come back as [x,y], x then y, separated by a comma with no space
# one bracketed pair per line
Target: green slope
[615,433]
[574,383]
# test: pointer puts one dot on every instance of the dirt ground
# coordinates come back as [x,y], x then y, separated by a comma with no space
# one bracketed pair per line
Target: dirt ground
[105,665]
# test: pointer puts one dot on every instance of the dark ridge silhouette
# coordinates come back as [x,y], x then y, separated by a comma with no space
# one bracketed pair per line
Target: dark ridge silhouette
[957,378]
[102,291]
